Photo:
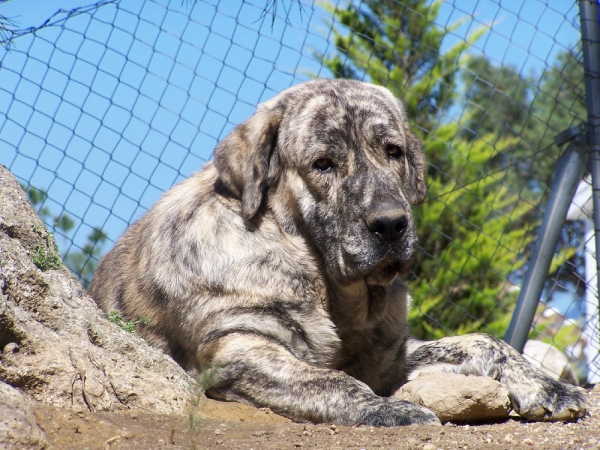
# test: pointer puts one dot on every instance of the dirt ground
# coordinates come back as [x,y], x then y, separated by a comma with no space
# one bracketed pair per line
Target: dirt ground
[235,426]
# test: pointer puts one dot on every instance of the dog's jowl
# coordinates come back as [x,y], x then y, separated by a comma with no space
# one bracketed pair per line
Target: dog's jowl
[277,265]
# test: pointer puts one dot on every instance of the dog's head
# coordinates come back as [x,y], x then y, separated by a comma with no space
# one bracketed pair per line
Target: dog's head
[335,161]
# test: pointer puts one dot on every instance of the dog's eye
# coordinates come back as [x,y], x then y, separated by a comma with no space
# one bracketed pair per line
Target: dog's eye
[323,164]
[394,151]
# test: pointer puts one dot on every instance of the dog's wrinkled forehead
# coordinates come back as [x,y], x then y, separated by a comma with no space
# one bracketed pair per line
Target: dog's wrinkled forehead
[324,109]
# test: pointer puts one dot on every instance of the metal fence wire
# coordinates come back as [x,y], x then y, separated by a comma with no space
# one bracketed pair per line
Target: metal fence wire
[105,106]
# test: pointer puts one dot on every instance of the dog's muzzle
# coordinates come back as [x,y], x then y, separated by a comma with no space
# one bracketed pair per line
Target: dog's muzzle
[388,224]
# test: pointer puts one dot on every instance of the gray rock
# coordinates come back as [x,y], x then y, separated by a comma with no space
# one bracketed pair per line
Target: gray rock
[58,347]
[551,360]
[18,425]
[457,398]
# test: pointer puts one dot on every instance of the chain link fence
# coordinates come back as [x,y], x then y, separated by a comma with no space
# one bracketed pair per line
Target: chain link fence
[105,106]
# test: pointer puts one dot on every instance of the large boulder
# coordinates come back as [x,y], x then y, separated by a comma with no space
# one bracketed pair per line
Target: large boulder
[56,346]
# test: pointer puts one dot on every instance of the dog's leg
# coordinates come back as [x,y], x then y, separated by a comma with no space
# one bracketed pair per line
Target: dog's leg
[534,394]
[261,372]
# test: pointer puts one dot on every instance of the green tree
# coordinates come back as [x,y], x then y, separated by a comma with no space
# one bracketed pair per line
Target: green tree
[496,99]
[497,104]
[501,102]
[398,45]
[559,104]
[472,234]
[81,262]
[469,245]
[534,109]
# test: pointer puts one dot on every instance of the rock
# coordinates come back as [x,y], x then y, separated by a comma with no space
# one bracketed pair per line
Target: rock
[454,397]
[18,425]
[551,360]
[10,348]
[58,347]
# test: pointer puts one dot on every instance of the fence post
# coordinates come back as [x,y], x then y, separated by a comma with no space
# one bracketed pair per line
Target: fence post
[568,173]
[590,38]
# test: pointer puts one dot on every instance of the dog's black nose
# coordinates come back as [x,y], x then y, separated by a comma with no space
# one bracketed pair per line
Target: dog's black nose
[389,224]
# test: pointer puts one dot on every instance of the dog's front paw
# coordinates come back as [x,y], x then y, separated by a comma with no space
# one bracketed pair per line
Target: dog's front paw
[542,398]
[391,412]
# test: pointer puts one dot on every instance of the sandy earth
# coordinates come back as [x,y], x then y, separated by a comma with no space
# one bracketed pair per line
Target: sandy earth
[231,425]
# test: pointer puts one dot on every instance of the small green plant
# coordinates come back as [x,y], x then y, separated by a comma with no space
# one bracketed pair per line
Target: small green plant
[205,379]
[144,320]
[45,258]
[127,325]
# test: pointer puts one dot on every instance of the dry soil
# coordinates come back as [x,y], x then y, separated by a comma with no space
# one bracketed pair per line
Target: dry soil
[235,426]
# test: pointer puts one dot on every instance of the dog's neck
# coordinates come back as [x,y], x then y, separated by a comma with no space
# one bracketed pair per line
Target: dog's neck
[356,305]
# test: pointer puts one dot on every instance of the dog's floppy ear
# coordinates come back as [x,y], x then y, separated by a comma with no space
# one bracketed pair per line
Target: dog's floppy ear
[414,186]
[244,159]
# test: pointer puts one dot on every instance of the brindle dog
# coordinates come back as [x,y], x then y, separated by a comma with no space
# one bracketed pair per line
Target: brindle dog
[277,266]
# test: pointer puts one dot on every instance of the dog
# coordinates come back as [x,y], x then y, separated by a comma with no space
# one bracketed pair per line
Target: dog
[278,267]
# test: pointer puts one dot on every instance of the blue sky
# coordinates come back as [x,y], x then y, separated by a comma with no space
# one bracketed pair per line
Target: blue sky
[123,101]
[525,34]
